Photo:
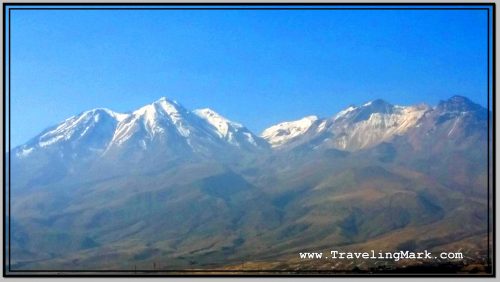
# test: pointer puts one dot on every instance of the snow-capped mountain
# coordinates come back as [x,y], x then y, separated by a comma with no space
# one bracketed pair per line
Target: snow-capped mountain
[164,125]
[351,129]
[288,131]
[232,132]
[373,123]
[365,126]
[83,134]
[163,172]
[455,122]
[165,128]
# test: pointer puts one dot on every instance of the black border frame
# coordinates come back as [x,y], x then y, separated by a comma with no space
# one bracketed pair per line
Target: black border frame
[490,7]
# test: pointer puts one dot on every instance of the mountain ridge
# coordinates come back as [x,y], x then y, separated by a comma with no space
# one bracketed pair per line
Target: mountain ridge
[223,126]
[414,174]
[161,118]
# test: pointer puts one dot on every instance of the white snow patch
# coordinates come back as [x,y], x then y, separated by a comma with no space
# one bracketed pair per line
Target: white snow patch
[284,132]
[51,141]
[344,112]
[454,126]
[250,138]
[321,126]
[24,152]
[85,131]
[221,124]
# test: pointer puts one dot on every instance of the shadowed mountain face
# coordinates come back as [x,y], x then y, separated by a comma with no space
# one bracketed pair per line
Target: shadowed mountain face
[192,189]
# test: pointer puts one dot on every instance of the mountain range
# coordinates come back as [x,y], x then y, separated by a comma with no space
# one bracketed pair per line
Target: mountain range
[171,188]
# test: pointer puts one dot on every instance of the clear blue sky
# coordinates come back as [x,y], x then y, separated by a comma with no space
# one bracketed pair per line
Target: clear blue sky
[255,67]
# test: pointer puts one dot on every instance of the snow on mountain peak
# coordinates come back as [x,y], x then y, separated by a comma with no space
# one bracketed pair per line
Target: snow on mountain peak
[232,132]
[170,107]
[378,106]
[364,112]
[166,121]
[103,131]
[77,126]
[284,132]
[311,118]
[221,124]
[152,118]
[345,112]
[115,115]
[168,117]
[162,105]
[372,123]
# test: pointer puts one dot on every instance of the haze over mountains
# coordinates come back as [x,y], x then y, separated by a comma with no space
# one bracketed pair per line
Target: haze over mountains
[193,189]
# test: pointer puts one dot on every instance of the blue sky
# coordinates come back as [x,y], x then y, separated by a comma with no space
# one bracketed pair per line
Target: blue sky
[255,67]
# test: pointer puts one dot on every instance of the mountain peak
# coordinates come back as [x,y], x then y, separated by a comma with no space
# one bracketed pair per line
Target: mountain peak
[378,104]
[220,123]
[364,112]
[311,118]
[160,107]
[459,103]
[164,99]
[98,111]
[285,132]
[459,98]
[92,125]
[168,105]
